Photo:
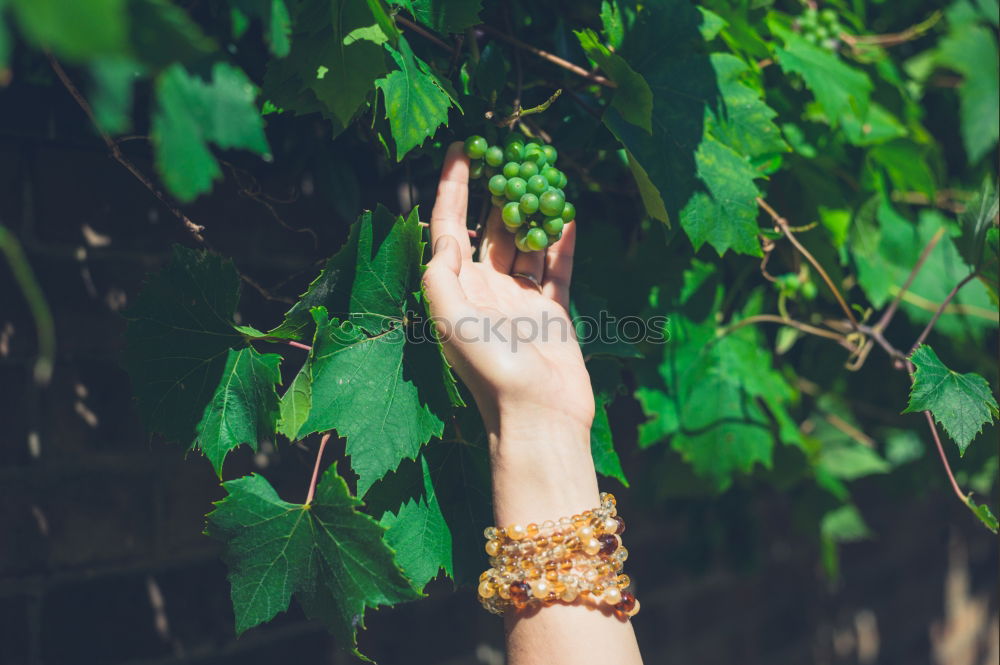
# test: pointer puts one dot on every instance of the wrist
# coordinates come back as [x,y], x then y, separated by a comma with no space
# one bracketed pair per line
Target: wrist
[542,466]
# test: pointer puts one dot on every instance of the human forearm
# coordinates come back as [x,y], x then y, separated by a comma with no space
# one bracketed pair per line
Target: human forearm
[542,470]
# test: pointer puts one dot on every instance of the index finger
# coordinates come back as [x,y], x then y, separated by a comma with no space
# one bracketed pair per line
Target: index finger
[451,206]
[559,266]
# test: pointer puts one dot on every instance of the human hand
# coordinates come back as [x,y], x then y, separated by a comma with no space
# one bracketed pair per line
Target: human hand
[511,341]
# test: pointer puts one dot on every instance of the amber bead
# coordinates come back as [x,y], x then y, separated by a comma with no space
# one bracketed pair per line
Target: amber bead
[627,603]
[558,538]
[532,530]
[621,525]
[609,543]
[551,575]
[492,547]
[542,543]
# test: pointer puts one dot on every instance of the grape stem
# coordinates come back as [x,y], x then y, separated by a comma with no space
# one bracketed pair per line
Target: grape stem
[426,34]
[519,112]
[315,476]
[940,310]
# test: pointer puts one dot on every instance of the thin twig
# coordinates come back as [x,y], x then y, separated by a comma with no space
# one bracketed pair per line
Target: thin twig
[783,224]
[519,113]
[554,59]
[799,325]
[267,295]
[192,228]
[426,34]
[892,39]
[890,311]
[944,459]
[940,310]
[315,476]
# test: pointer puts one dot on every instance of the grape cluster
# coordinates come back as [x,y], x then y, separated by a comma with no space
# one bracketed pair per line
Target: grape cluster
[526,186]
[822,28]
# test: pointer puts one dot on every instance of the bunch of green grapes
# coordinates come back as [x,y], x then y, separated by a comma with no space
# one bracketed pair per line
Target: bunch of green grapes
[526,186]
[820,27]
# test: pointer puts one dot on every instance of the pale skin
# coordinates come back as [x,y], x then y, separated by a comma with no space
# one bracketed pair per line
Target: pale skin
[536,401]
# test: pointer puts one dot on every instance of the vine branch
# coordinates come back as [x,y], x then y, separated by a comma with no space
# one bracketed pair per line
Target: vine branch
[519,112]
[786,228]
[940,310]
[423,32]
[116,153]
[551,57]
[890,311]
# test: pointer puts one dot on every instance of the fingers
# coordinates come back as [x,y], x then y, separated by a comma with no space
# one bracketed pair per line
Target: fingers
[441,283]
[529,263]
[559,267]
[497,249]
[451,206]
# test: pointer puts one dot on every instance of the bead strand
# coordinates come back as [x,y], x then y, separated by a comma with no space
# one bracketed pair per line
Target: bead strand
[575,558]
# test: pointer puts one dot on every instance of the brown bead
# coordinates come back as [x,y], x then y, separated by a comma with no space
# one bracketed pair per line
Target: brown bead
[519,591]
[621,525]
[609,543]
[627,604]
[558,538]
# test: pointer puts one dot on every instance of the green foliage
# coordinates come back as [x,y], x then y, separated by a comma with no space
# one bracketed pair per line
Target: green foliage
[870,149]
[191,113]
[326,553]
[962,403]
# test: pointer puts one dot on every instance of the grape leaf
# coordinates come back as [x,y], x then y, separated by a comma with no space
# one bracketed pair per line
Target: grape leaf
[885,257]
[163,34]
[703,182]
[962,403]
[444,15]
[369,278]
[379,393]
[245,405]
[192,113]
[331,557]
[840,90]
[325,72]
[416,103]
[983,512]
[605,376]
[111,92]
[705,396]
[277,22]
[633,99]
[972,51]
[178,339]
[75,30]
[295,404]
[975,223]
[417,529]
[195,378]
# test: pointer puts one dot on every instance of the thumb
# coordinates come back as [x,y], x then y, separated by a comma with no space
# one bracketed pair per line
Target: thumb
[441,285]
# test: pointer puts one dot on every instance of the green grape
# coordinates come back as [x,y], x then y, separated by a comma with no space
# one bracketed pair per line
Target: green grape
[551,203]
[563,180]
[476,168]
[550,154]
[537,184]
[533,153]
[516,187]
[494,155]
[527,170]
[512,215]
[828,16]
[552,175]
[822,32]
[512,137]
[497,185]
[529,204]
[553,225]
[499,201]
[811,38]
[519,238]
[514,152]
[809,290]
[536,239]
[568,212]
[475,147]
[511,169]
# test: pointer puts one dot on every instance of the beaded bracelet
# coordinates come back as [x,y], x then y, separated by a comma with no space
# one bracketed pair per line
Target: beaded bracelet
[575,558]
